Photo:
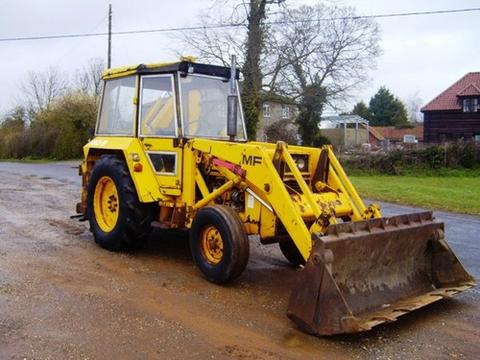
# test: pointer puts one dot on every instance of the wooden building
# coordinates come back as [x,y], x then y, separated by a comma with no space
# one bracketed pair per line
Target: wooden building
[455,113]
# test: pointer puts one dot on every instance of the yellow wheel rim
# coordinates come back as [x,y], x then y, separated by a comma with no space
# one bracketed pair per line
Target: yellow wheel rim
[211,245]
[106,204]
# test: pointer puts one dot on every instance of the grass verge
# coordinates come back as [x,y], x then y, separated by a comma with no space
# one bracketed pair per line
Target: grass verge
[29,160]
[457,192]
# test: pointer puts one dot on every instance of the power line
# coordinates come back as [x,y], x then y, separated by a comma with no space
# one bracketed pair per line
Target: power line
[229,25]
[414,13]
[77,44]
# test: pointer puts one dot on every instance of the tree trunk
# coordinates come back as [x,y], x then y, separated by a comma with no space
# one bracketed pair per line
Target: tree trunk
[252,83]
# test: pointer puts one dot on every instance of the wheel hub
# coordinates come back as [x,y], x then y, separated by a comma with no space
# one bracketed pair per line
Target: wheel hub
[112,203]
[105,203]
[212,245]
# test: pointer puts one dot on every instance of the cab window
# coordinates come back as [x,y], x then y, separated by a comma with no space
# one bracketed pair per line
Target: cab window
[157,106]
[204,107]
[117,111]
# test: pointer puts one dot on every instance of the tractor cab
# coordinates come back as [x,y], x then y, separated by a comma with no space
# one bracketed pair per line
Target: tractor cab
[162,106]
[168,101]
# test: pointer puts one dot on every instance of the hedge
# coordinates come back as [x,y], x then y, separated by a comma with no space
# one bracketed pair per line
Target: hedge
[459,155]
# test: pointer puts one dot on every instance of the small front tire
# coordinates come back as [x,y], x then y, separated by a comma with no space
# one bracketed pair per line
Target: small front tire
[291,253]
[219,243]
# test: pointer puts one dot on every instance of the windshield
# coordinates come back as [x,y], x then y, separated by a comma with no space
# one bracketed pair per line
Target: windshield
[204,107]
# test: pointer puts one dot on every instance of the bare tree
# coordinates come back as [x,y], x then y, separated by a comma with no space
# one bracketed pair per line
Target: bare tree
[246,39]
[323,52]
[282,130]
[252,72]
[326,46]
[413,104]
[215,45]
[89,80]
[40,89]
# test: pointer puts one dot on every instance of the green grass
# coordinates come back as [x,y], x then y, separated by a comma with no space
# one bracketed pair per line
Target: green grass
[28,160]
[457,191]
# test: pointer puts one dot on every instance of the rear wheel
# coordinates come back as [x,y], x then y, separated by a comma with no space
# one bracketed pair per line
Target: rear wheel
[291,253]
[219,243]
[117,219]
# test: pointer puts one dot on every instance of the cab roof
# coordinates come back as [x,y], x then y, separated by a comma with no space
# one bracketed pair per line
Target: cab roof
[185,65]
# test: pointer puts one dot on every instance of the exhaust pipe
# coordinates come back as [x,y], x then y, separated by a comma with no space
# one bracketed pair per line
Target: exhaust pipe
[232,102]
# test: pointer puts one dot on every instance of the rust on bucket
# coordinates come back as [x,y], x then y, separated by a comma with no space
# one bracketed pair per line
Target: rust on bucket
[362,274]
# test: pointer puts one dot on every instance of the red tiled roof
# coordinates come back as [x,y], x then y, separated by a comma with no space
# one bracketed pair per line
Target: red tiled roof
[393,133]
[469,90]
[448,100]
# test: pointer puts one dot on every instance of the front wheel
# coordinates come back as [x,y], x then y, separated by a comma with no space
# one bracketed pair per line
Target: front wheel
[219,243]
[291,253]
[117,219]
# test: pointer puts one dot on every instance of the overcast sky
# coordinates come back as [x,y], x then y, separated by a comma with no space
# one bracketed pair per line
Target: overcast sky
[423,54]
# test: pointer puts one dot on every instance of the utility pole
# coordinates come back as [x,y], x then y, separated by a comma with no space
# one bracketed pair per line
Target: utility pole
[109,56]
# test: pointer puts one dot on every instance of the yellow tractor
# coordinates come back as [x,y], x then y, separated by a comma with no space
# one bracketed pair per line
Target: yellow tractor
[170,151]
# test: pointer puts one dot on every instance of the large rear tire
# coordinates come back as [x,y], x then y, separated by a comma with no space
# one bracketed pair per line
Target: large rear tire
[117,219]
[219,243]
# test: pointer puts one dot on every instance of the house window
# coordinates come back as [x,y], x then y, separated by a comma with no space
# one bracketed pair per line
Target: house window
[285,112]
[470,105]
[409,139]
[266,111]
[477,138]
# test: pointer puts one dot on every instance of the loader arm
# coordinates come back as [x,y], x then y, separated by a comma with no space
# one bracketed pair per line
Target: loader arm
[362,269]
[263,178]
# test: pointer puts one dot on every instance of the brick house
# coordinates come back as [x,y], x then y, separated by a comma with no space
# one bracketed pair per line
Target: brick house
[455,113]
[274,109]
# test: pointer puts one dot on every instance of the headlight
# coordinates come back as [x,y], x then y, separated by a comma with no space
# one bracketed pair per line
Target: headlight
[301,164]
[301,161]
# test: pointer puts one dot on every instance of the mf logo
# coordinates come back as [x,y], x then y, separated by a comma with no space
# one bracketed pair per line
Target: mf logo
[251,160]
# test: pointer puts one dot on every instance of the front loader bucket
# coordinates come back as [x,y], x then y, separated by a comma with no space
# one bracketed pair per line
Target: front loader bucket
[361,274]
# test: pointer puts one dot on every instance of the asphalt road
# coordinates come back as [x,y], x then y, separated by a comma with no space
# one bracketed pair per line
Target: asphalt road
[61,296]
[462,231]
[61,170]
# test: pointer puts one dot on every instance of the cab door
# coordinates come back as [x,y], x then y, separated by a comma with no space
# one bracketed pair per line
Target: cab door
[158,130]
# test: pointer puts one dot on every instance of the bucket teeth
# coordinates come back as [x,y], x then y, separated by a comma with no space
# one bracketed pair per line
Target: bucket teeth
[361,274]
